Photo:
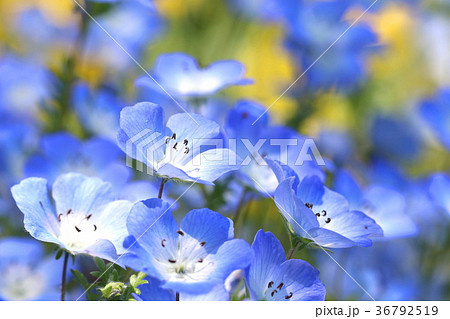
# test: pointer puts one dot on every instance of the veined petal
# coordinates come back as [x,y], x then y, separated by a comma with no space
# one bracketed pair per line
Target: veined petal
[219,230]
[32,198]
[112,222]
[269,254]
[211,164]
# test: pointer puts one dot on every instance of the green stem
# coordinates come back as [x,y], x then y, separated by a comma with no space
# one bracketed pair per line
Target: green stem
[63,280]
[299,245]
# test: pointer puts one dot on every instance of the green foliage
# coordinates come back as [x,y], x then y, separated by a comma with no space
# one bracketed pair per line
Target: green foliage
[111,283]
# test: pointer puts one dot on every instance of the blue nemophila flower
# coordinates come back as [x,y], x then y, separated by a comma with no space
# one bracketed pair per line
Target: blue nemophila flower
[272,277]
[436,112]
[25,274]
[153,291]
[24,85]
[98,111]
[63,153]
[193,257]
[314,212]
[384,204]
[257,140]
[84,218]
[180,75]
[178,150]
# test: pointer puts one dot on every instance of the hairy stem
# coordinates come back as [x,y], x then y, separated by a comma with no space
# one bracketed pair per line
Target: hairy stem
[63,280]
[161,187]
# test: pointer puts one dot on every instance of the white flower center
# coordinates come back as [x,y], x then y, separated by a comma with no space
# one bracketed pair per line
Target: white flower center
[77,232]
[186,261]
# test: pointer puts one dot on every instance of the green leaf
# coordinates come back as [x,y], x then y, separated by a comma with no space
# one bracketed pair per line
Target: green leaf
[59,254]
[100,264]
[80,278]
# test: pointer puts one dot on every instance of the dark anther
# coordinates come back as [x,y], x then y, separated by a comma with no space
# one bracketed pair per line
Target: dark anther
[69,211]
[95,227]
[270,284]
[324,213]
[175,146]
[365,227]
[42,205]
[174,136]
[328,220]
[280,286]
[186,150]
[185,142]
[78,230]
[59,217]
[289,296]
[167,140]
[309,205]
[202,243]
[162,243]
[244,115]
[172,261]
[318,214]
[180,232]
[88,216]
[274,292]
[200,260]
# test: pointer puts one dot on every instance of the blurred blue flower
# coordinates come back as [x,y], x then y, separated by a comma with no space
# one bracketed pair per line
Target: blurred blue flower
[131,27]
[84,219]
[436,112]
[387,271]
[25,274]
[272,141]
[153,291]
[24,85]
[318,214]
[272,277]
[63,153]
[439,190]
[192,258]
[385,205]
[395,138]
[177,150]
[313,27]
[98,111]
[41,38]
[180,75]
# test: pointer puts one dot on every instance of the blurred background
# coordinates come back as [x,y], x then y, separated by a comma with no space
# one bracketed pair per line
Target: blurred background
[377,104]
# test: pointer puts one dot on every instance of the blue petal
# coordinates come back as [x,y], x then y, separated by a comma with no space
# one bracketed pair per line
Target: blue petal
[81,194]
[150,222]
[299,217]
[302,280]
[104,249]
[346,184]
[154,292]
[269,254]
[219,230]
[113,221]
[193,127]
[141,126]
[212,164]
[32,198]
